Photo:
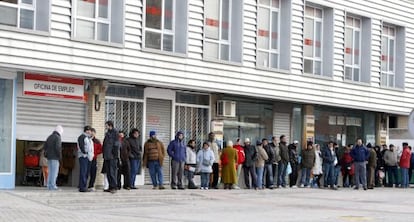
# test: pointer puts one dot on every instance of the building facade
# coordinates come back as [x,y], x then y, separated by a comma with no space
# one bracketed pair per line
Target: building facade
[312,70]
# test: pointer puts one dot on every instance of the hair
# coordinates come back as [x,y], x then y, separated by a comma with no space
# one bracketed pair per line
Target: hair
[86,128]
[331,142]
[133,130]
[274,137]
[121,131]
[359,138]
[405,144]
[264,139]
[93,130]
[237,140]
[109,123]
[211,133]
[205,143]
[281,137]
[309,143]
[190,142]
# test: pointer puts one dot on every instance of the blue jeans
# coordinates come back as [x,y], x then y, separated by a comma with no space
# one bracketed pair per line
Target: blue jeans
[92,173]
[83,173]
[134,170]
[282,174]
[268,170]
[259,174]
[305,177]
[404,177]
[205,179]
[337,171]
[155,170]
[53,166]
[329,177]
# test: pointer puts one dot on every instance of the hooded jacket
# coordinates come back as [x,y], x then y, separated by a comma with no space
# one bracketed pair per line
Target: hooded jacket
[53,147]
[177,149]
[134,146]
[205,156]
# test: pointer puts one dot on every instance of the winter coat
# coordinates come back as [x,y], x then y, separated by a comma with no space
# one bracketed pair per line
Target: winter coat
[153,150]
[251,155]
[372,160]
[241,156]
[134,145]
[176,149]
[261,157]
[405,158]
[308,158]
[85,146]
[317,167]
[205,160]
[276,151]
[390,158]
[111,145]
[191,156]
[360,153]
[215,148]
[97,148]
[328,156]
[53,147]
[270,154]
[293,155]
[284,153]
[125,151]
[228,172]
[346,163]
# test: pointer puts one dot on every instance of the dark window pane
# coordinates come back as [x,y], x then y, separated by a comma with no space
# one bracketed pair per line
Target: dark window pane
[153,14]
[153,40]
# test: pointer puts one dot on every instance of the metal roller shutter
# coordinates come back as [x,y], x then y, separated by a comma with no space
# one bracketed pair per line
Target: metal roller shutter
[281,125]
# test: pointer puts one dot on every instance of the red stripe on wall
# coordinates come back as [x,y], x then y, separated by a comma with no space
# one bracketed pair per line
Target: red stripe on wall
[47,78]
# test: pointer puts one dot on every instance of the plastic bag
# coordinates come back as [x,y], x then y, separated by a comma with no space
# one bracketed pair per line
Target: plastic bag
[288,169]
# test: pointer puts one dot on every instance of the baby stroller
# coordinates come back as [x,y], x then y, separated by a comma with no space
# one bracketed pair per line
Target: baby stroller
[32,171]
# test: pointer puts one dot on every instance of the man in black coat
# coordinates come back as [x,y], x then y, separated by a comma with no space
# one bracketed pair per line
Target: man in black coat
[111,146]
[249,164]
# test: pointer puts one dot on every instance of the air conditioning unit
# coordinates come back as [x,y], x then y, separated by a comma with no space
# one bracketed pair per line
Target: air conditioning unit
[226,108]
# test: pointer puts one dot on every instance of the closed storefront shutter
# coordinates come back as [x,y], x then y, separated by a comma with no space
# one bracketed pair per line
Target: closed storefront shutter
[281,125]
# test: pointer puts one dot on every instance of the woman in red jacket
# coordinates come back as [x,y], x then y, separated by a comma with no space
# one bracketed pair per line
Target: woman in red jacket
[405,165]
[240,159]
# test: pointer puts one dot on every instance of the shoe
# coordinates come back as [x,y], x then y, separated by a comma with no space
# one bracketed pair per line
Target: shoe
[127,188]
[174,187]
[134,188]
[91,189]
[205,188]
[154,187]
[371,188]
[294,187]
[84,191]
[192,187]
[365,188]
[356,188]
[162,187]
[181,188]
[334,188]
[107,190]
[113,191]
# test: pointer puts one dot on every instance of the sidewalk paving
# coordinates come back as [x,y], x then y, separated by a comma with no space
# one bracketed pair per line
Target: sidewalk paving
[145,204]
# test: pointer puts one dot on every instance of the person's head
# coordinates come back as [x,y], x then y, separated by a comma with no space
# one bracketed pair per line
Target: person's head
[317,147]
[295,143]
[87,130]
[121,134]
[377,148]
[330,144]
[359,141]
[179,135]
[335,145]
[392,147]
[274,139]
[282,139]
[247,141]
[191,143]
[134,133]
[205,145]
[309,145]
[238,141]
[349,146]
[93,132]
[369,146]
[59,129]
[109,125]
[152,134]
[265,142]
[384,147]
[229,143]
[348,149]
[211,136]
[405,144]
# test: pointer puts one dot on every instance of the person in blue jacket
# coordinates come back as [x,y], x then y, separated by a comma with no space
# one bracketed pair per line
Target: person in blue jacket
[177,151]
[360,155]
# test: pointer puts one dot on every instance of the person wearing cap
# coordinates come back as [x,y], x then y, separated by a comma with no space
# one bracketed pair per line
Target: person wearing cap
[53,153]
[308,160]
[153,159]
[294,163]
[229,160]
[249,164]
[284,160]
[85,156]
[360,154]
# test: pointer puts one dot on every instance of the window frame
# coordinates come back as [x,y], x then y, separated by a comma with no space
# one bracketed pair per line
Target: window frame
[388,72]
[220,41]
[315,59]
[269,50]
[95,20]
[23,6]
[353,65]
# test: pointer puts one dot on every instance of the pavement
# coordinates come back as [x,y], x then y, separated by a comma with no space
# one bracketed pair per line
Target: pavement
[284,204]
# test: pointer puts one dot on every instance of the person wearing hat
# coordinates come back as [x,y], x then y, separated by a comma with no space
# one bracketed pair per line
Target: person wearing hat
[249,170]
[153,159]
[85,156]
[294,163]
[53,153]
[229,160]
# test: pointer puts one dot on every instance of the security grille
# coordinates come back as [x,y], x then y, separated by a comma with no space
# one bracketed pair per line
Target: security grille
[193,122]
[125,114]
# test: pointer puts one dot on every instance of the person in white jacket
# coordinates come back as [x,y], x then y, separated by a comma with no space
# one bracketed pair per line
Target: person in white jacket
[317,167]
[205,160]
[85,155]
[191,163]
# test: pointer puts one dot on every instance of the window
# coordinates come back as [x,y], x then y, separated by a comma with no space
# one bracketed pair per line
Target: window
[352,49]
[166,25]
[267,33]
[222,30]
[392,56]
[313,41]
[25,14]
[100,20]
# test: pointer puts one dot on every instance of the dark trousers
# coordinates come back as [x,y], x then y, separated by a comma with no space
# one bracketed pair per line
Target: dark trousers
[112,173]
[249,171]
[392,175]
[83,173]
[215,175]
[410,173]
[126,171]
[347,179]
[92,173]
[293,177]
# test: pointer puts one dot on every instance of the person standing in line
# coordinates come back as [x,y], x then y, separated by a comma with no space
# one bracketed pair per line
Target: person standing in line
[405,165]
[125,165]
[410,171]
[85,156]
[177,151]
[347,169]
[360,154]
[308,160]
[268,164]
[260,163]
[154,153]
[205,160]
[43,164]
[241,156]
[276,151]
[284,161]
[191,164]
[97,150]
[391,165]
[53,153]
[229,161]
[329,162]
[371,166]
[317,167]
[215,148]
[294,162]
[249,164]
[121,137]
[111,146]
[134,146]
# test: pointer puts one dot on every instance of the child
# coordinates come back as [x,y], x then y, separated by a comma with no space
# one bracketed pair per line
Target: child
[205,160]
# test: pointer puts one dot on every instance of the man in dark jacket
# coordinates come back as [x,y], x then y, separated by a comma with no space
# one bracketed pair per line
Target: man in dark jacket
[135,152]
[372,164]
[177,151]
[53,153]
[308,160]
[284,160]
[329,162]
[360,154]
[268,171]
[248,165]
[276,150]
[294,162]
[111,146]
